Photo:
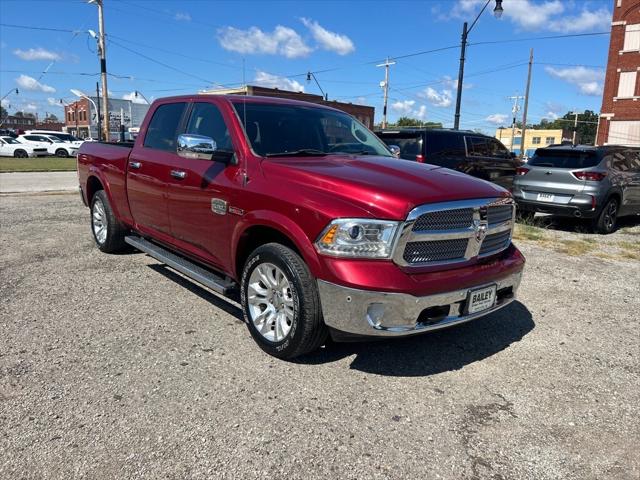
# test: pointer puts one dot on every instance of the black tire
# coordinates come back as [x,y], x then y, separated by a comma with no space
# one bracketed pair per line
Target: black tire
[607,220]
[20,154]
[113,241]
[62,153]
[307,330]
[525,216]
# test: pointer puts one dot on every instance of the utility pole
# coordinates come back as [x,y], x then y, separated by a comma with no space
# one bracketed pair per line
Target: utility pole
[385,85]
[514,110]
[98,113]
[526,105]
[102,51]
[575,127]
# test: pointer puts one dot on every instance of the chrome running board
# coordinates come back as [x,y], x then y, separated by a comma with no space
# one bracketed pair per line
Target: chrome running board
[186,267]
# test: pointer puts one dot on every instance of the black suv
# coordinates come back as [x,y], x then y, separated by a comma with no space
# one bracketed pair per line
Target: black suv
[466,151]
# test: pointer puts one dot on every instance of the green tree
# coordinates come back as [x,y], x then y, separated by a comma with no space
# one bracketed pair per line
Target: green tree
[3,112]
[414,122]
[586,130]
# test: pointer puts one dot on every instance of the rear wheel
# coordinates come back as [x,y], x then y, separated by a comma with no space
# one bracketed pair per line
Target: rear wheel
[20,154]
[281,303]
[107,231]
[606,222]
[61,152]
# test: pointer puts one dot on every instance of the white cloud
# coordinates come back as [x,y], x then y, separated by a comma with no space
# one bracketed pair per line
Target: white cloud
[282,41]
[135,99]
[407,108]
[30,106]
[588,80]
[37,54]
[268,80]
[182,17]
[335,42]
[5,102]
[442,98]
[534,15]
[53,102]
[497,118]
[26,82]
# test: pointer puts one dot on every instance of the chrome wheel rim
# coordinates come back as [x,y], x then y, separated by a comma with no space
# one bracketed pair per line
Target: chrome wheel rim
[270,302]
[99,221]
[610,215]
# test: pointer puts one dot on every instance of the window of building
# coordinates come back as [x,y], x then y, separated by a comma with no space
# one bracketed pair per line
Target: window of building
[632,37]
[627,84]
[536,140]
[549,140]
[68,116]
[517,140]
[163,128]
[624,132]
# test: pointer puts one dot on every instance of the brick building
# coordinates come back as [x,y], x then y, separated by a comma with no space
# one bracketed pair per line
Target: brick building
[363,113]
[620,112]
[81,118]
[18,123]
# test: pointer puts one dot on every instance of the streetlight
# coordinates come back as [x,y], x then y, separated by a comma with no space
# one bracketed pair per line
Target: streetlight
[497,12]
[80,94]
[10,92]
[137,93]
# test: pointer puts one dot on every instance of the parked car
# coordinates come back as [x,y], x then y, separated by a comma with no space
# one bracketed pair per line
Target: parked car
[304,211]
[10,147]
[597,183]
[54,145]
[465,151]
[65,137]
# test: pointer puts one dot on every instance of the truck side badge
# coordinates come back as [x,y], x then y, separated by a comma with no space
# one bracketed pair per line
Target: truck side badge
[219,206]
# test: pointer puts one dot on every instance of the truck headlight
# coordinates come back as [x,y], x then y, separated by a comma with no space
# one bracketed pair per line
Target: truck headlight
[358,237]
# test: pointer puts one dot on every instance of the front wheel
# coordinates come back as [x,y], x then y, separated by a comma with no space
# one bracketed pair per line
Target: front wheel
[62,153]
[281,303]
[606,222]
[20,154]
[107,231]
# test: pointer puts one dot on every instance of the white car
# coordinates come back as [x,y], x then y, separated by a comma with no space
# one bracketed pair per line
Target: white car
[65,137]
[10,147]
[54,145]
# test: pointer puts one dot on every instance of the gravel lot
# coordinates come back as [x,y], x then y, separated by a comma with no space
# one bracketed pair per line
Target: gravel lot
[115,367]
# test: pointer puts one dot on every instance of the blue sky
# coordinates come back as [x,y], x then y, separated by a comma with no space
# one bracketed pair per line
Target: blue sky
[205,43]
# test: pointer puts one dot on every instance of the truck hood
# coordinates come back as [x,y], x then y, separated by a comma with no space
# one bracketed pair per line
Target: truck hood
[384,187]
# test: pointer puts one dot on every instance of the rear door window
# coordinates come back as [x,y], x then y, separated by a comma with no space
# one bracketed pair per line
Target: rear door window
[564,159]
[478,147]
[163,129]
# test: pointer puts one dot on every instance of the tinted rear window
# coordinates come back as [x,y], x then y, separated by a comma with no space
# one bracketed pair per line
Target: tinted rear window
[445,144]
[564,159]
[410,143]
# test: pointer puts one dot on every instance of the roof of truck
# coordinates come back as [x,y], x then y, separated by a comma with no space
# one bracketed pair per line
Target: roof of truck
[248,99]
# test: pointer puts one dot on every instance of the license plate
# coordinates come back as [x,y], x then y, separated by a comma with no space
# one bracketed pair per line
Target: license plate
[481,299]
[545,197]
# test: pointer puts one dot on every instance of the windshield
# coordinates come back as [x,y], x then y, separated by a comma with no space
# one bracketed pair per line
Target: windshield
[282,130]
[10,140]
[564,159]
[67,137]
[55,139]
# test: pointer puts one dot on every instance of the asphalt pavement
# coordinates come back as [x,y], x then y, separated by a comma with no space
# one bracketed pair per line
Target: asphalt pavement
[30,182]
[113,366]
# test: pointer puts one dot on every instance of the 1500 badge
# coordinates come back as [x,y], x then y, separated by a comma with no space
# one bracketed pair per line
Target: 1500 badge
[219,206]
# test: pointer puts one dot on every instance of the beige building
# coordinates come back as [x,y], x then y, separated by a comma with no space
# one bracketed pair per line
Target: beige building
[533,139]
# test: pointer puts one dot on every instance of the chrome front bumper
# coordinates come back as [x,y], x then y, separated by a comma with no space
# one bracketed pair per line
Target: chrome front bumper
[369,313]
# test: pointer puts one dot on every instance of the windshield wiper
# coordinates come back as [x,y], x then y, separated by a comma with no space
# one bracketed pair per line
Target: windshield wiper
[303,152]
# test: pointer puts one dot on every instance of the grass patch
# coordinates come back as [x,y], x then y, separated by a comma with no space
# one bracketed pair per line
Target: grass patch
[528,232]
[574,247]
[630,245]
[38,164]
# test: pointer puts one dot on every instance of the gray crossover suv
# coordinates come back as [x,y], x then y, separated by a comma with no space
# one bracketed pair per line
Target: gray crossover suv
[598,183]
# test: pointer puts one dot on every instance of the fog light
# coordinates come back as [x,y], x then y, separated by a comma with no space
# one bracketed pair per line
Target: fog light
[375,313]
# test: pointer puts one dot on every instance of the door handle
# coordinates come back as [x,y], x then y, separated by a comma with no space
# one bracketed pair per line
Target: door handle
[135,165]
[178,174]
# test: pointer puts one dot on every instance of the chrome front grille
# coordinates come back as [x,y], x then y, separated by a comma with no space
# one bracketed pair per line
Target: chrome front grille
[455,232]
[444,220]
[436,251]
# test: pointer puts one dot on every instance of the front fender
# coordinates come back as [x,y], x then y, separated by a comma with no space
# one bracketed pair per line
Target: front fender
[287,227]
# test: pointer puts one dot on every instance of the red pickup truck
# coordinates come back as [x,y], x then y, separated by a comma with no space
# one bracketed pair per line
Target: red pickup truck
[307,215]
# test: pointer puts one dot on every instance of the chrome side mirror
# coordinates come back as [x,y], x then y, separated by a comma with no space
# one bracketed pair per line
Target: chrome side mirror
[395,150]
[196,146]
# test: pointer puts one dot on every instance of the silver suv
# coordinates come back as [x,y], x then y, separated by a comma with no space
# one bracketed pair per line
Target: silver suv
[598,183]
